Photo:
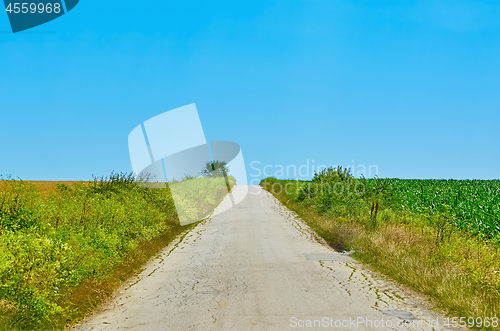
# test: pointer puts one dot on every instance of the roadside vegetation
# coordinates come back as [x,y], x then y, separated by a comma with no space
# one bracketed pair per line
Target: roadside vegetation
[440,237]
[65,248]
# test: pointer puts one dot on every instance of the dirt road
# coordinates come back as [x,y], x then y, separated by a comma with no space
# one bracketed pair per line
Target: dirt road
[257,267]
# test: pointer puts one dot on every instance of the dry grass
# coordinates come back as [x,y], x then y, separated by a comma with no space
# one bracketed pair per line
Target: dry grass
[47,187]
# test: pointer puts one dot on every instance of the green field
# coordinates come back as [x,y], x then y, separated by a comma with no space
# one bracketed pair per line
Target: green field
[472,205]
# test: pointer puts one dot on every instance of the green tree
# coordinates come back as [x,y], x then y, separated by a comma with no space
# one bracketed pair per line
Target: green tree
[210,169]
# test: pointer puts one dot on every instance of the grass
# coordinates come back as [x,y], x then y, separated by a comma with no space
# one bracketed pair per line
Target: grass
[64,247]
[426,251]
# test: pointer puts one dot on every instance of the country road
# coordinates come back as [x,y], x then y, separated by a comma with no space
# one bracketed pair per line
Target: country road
[258,267]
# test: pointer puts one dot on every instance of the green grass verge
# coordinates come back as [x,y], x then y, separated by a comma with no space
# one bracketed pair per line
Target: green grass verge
[458,268]
[63,253]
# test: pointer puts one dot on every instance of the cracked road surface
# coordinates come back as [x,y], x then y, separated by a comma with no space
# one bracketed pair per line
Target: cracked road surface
[258,267]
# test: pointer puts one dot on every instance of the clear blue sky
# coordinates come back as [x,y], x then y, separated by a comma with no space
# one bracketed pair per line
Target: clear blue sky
[410,86]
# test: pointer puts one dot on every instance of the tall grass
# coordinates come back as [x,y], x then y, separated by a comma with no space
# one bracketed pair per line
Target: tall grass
[59,251]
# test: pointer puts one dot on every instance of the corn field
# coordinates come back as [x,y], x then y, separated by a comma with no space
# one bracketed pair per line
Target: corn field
[473,205]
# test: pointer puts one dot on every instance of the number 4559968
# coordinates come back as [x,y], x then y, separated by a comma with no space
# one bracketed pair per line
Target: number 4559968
[33,7]
[471,322]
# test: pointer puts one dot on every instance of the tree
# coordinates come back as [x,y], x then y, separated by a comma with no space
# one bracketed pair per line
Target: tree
[210,169]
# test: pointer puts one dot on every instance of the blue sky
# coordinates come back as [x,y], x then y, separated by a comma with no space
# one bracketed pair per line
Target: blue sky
[412,87]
